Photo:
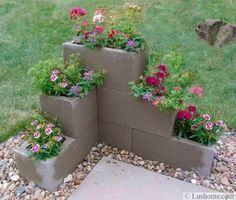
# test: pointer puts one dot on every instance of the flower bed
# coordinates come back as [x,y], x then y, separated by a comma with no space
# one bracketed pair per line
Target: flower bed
[44,137]
[104,30]
[70,79]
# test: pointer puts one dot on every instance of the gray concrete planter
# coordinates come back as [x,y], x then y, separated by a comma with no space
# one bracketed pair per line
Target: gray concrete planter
[179,153]
[121,66]
[123,109]
[50,173]
[75,114]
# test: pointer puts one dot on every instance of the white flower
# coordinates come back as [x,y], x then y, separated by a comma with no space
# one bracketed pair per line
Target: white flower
[98,18]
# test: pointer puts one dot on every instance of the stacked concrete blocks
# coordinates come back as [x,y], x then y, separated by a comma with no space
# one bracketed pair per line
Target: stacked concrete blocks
[133,124]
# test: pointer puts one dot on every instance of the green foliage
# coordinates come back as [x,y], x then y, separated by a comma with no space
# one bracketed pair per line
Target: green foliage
[44,137]
[70,79]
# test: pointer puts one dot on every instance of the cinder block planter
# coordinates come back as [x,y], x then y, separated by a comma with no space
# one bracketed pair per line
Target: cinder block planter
[75,114]
[115,135]
[180,153]
[123,109]
[50,173]
[122,67]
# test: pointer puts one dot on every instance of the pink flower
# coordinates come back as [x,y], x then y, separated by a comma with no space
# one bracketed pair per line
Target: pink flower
[152,81]
[162,67]
[84,23]
[50,125]
[99,29]
[76,12]
[192,108]
[34,123]
[207,117]
[182,114]
[99,11]
[196,90]
[63,84]
[194,127]
[48,131]
[36,134]
[56,72]
[220,123]
[35,148]
[53,77]
[208,126]
[58,138]
[160,75]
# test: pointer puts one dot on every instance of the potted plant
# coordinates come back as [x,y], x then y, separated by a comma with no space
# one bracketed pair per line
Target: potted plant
[47,156]
[68,93]
[110,43]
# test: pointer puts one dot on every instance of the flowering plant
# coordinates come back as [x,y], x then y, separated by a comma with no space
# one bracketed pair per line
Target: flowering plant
[71,79]
[100,30]
[162,89]
[44,137]
[201,128]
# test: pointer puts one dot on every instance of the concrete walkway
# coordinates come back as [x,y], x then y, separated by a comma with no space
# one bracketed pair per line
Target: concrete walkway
[115,180]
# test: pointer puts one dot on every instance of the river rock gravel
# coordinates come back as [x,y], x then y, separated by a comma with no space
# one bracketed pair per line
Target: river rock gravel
[14,187]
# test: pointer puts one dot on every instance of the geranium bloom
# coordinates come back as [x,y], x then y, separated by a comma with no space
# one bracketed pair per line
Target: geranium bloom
[86,34]
[207,117]
[36,134]
[75,89]
[192,108]
[194,127]
[98,18]
[48,131]
[56,72]
[34,123]
[35,148]
[188,116]
[196,90]
[208,125]
[76,12]
[148,96]
[150,80]
[181,114]
[99,29]
[88,75]
[63,84]
[53,77]
[50,125]
[162,67]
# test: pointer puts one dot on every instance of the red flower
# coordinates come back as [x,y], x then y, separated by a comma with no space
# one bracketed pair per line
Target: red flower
[99,29]
[194,127]
[150,80]
[160,75]
[76,12]
[181,114]
[180,101]
[196,90]
[163,88]
[192,108]
[162,67]
[188,116]
[112,33]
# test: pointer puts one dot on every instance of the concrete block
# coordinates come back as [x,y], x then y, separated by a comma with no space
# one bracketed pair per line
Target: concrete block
[50,173]
[123,109]
[180,153]
[75,114]
[115,135]
[122,67]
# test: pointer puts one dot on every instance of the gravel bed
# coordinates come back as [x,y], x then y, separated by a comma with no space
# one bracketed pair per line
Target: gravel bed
[13,187]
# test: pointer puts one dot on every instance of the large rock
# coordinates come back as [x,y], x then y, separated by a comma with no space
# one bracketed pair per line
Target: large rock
[225,35]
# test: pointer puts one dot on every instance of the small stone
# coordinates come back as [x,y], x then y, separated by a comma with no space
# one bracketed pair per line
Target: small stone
[178,170]
[122,152]
[162,166]
[32,184]
[20,190]
[225,181]
[68,178]
[108,161]
[94,149]
[15,178]
[141,162]
[194,181]
[12,187]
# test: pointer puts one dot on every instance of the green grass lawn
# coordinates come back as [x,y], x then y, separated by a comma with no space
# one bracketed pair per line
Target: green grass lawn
[34,30]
